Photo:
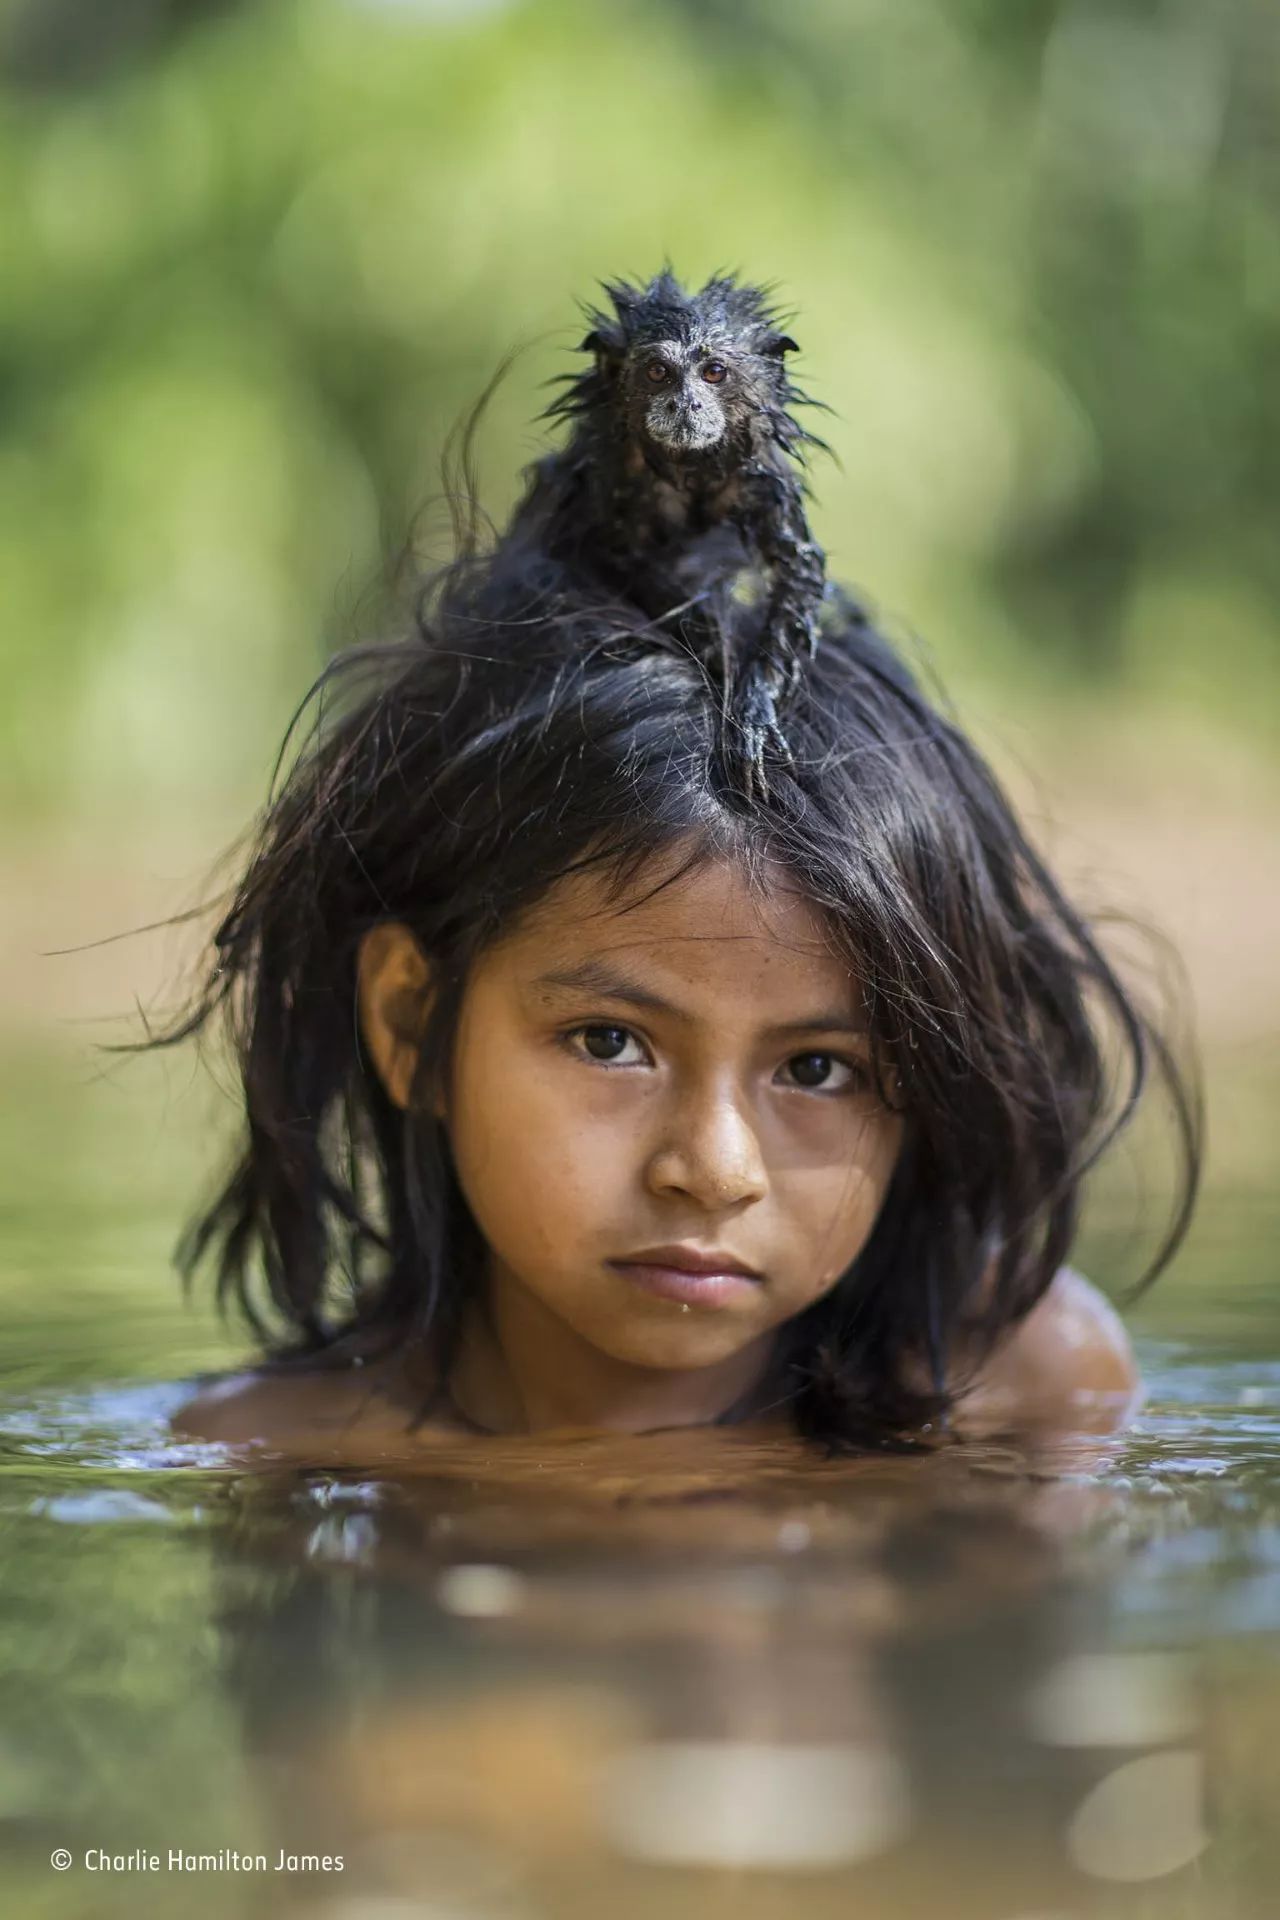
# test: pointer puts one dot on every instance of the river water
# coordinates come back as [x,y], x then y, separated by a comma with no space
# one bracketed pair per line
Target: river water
[677,1674]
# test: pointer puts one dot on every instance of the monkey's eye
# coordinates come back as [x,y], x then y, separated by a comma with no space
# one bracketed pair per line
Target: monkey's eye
[657,371]
[714,371]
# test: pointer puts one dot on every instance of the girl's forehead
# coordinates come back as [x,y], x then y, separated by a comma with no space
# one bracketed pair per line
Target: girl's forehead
[707,925]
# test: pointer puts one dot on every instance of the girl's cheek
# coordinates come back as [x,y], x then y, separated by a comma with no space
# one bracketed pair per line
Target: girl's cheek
[836,1198]
[556,1133]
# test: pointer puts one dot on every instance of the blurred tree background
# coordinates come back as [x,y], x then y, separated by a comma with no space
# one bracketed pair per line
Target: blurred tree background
[258,258]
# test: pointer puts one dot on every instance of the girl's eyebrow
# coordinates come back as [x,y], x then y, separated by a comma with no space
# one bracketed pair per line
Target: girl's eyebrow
[593,977]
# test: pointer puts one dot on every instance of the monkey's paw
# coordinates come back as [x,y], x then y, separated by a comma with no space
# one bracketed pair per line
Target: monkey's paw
[762,738]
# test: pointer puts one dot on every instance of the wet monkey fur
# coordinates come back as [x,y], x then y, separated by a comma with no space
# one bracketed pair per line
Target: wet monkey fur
[679,485]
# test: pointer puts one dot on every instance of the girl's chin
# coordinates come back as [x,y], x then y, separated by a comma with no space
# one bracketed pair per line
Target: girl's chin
[689,1344]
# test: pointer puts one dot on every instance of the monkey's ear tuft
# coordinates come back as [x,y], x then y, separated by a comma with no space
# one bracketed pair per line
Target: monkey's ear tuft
[782,343]
[603,341]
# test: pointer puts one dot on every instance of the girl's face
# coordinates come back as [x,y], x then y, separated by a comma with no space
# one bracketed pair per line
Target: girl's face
[683,1082]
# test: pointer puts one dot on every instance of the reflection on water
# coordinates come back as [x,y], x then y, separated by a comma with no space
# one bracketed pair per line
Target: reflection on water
[678,1674]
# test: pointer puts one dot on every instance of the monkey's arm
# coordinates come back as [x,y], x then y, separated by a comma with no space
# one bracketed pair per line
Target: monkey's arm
[777,526]
[797,568]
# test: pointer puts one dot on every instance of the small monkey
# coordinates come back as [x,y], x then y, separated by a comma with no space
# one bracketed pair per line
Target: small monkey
[678,486]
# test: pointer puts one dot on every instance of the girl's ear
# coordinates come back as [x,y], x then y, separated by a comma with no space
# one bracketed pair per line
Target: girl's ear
[393,995]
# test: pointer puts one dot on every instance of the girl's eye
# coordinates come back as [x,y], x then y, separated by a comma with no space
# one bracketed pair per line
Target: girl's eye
[606,1044]
[824,1073]
[714,371]
[656,371]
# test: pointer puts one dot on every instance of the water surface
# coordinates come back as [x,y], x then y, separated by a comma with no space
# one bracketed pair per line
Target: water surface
[678,1674]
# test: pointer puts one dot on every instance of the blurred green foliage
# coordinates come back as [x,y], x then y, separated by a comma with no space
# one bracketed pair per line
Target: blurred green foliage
[255,260]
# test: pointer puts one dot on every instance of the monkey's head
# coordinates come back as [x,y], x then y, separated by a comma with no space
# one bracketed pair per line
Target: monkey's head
[688,374]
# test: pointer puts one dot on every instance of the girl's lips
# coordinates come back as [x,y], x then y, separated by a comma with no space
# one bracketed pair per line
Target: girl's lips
[690,1289]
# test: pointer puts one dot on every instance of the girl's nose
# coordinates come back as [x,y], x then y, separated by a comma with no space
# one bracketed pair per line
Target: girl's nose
[710,1152]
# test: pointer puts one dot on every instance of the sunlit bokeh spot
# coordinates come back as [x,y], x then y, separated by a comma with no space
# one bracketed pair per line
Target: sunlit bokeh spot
[480,1592]
[707,1803]
[1113,1700]
[1144,1820]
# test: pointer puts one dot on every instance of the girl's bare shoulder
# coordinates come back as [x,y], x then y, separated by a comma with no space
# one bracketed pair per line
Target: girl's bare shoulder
[244,1407]
[345,1413]
[1069,1365]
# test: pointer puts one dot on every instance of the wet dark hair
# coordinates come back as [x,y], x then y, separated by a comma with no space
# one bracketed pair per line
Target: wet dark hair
[523,733]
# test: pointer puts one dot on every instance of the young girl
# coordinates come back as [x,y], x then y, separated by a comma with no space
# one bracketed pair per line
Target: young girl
[589,1088]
